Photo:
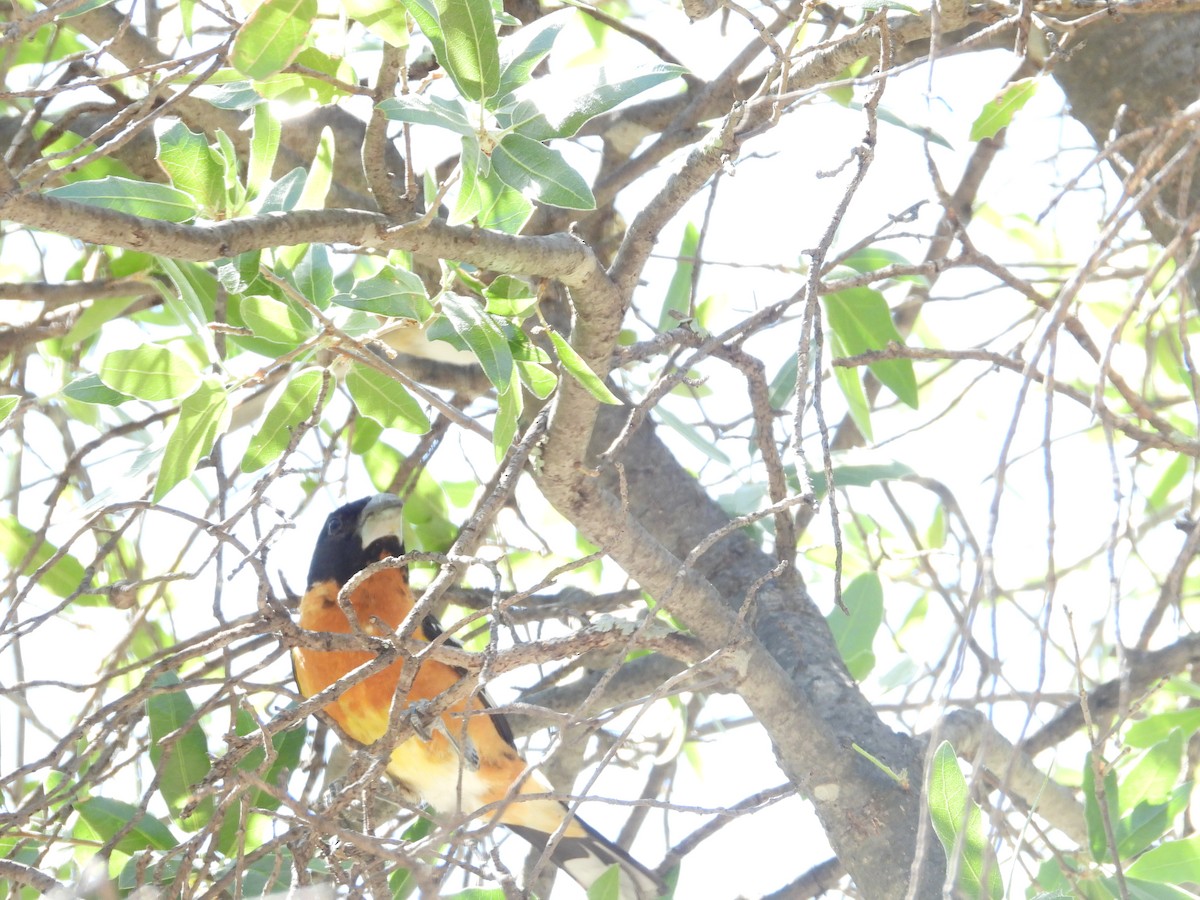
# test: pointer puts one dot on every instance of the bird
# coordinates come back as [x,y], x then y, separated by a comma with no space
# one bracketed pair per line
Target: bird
[455,764]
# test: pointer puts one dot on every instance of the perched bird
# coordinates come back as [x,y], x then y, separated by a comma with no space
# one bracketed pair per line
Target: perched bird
[460,763]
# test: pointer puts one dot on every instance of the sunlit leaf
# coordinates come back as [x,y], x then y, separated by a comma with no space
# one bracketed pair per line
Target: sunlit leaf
[482,336]
[1174,862]
[203,416]
[541,173]
[137,198]
[295,404]
[383,18]
[953,814]
[395,292]
[149,372]
[275,320]
[592,92]
[90,389]
[264,146]
[418,109]
[677,301]
[471,52]
[385,400]
[862,322]
[192,165]
[182,762]
[581,371]
[998,112]
[271,37]
[62,579]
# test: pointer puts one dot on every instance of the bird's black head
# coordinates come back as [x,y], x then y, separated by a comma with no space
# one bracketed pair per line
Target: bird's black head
[356,535]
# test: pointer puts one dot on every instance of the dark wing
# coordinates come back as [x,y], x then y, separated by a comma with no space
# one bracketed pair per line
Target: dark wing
[431,630]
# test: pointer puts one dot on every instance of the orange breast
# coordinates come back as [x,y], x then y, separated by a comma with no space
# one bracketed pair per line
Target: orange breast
[432,768]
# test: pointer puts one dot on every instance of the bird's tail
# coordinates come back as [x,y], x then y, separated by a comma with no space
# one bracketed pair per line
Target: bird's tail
[585,858]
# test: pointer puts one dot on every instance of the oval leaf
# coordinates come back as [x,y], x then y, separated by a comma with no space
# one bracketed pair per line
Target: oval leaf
[138,198]
[182,762]
[272,36]
[483,336]
[149,372]
[472,52]
[275,320]
[862,321]
[541,173]
[385,400]
[998,113]
[398,293]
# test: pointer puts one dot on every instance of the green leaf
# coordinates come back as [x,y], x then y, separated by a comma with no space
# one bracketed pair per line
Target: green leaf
[425,14]
[295,404]
[62,579]
[607,886]
[320,174]
[275,320]
[313,276]
[499,207]
[474,168]
[540,380]
[953,813]
[855,633]
[264,147]
[137,198]
[510,297]
[862,321]
[394,292]
[1155,773]
[284,194]
[483,336]
[385,400]
[271,37]
[471,53]
[595,92]
[508,416]
[101,311]
[582,372]
[90,389]
[203,415]
[383,18]
[418,109]
[998,112]
[541,173]
[149,372]
[427,524]
[677,302]
[105,817]
[8,403]
[182,763]
[192,166]
[860,475]
[851,387]
[1175,863]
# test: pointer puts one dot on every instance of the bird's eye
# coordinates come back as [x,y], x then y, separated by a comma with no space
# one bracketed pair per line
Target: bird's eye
[334,527]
